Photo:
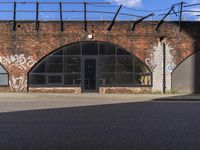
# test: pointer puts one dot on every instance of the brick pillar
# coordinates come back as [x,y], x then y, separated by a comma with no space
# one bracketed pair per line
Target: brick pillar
[155,61]
[18,66]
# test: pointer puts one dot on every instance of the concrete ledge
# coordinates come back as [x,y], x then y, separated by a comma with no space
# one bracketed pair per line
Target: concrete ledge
[125,90]
[74,90]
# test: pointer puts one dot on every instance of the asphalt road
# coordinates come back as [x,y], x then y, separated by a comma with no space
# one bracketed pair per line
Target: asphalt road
[144,125]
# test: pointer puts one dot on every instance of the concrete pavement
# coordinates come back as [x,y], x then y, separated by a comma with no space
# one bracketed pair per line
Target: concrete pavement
[10,102]
[99,122]
[91,96]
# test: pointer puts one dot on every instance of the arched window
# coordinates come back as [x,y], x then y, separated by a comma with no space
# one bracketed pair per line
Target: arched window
[3,76]
[90,64]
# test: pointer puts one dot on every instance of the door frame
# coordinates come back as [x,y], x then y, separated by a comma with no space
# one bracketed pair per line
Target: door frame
[83,73]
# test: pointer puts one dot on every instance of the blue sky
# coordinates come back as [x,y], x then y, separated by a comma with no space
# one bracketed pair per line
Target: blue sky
[136,7]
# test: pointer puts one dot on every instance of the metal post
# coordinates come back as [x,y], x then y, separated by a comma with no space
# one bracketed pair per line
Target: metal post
[61,17]
[162,20]
[85,16]
[37,16]
[14,16]
[113,21]
[164,67]
[180,19]
[138,21]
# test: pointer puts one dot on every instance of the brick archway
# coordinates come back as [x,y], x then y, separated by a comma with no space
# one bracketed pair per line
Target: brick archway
[138,74]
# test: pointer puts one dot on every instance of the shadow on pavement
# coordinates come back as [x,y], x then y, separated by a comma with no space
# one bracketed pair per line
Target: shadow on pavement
[186,97]
[128,126]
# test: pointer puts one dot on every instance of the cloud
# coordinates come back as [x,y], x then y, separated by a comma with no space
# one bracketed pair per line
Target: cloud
[128,3]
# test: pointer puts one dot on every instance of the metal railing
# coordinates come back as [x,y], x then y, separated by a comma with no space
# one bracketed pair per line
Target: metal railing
[37,5]
[34,9]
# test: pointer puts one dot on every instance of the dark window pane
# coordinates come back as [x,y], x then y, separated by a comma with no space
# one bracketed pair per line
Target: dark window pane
[121,51]
[3,79]
[125,60]
[54,79]
[107,64]
[58,53]
[37,79]
[55,64]
[40,68]
[90,49]
[125,68]
[107,79]
[3,76]
[139,67]
[142,79]
[74,49]
[2,70]
[125,64]
[104,60]
[106,49]
[107,68]
[72,79]
[124,78]
[72,64]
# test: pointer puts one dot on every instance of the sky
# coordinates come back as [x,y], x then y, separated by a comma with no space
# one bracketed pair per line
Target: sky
[133,7]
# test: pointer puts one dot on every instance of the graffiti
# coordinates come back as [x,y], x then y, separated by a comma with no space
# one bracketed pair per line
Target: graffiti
[18,84]
[150,62]
[20,61]
[170,65]
[157,53]
[155,62]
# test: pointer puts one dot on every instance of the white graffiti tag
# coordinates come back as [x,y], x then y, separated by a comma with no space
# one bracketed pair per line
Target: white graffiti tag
[20,61]
[155,62]
[18,84]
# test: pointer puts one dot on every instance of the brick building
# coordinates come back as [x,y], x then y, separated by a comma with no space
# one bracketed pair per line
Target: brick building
[115,61]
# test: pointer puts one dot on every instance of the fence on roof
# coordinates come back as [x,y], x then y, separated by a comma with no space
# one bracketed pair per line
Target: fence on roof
[64,11]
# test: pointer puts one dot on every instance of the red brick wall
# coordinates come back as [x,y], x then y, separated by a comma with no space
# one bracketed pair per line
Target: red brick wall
[21,49]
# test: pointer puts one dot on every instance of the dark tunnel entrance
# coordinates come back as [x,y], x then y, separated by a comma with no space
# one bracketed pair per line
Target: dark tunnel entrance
[185,78]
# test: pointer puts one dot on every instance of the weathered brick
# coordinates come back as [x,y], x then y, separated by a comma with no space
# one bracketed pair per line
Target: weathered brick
[27,46]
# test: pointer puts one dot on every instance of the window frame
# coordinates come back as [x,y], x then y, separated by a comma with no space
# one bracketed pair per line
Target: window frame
[64,57]
[7,75]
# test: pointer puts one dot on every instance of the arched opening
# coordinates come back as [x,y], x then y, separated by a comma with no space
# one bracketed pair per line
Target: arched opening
[3,76]
[185,77]
[90,65]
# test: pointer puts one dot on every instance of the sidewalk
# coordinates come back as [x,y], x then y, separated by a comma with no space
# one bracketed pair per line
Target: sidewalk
[11,102]
[96,96]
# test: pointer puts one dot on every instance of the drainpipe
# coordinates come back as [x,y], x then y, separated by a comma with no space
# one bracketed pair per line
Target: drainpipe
[164,63]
